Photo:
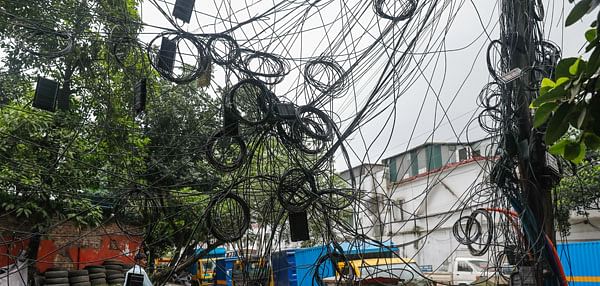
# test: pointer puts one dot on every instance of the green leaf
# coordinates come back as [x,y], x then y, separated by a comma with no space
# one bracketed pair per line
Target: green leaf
[543,112]
[591,140]
[577,67]
[558,125]
[593,62]
[547,84]
[592,45]
[562,68]
[590,35]
[578,11]
[554,94]
[559,147]
[572,150]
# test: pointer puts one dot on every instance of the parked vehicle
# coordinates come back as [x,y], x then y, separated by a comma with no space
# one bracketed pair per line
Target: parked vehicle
[234,271]
[296,267]
[203,271]
[378,271]
[465,270]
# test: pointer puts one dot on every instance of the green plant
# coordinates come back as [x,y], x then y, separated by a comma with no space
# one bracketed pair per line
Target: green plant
[578,193]
[568,106]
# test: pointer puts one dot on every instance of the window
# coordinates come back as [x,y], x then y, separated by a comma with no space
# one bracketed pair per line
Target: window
[434,157]
[403,166]
[398,210]
[421,161]
[464,267]
[451,154]
[414,164]
[463,154]
[475,153]
[399,167]
[376,204]
[393,170]
[349,216]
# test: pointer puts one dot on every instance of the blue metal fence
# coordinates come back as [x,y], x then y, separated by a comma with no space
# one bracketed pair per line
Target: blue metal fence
[581,262]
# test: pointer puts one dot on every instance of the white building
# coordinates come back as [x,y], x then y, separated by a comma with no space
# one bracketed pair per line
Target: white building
[415,198]
[427,192]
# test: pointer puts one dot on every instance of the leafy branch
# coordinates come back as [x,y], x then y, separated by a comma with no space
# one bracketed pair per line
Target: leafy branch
[568,105]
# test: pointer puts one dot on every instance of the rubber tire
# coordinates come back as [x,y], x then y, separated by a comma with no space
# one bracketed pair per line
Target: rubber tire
[79,279]
[62,284]
[99,281]
[76,273]
[53,281]
[116,276]
[112,261]
[56,274]
[95,269]
[97,276]
[56,269]
[114,267]
[82,284]
[113,272]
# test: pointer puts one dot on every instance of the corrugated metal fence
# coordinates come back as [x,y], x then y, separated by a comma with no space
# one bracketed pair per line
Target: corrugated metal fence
[581,261]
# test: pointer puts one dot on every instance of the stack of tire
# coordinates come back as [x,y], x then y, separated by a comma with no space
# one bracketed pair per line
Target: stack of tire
[56,277]
[79,278]
[97,275]
[115,272]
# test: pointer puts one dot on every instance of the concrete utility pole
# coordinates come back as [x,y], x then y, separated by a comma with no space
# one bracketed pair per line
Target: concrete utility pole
[521,43]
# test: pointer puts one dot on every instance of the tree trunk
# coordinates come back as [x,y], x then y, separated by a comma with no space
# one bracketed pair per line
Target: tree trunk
[32,251]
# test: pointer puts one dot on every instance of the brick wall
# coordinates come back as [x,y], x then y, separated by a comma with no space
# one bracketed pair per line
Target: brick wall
[68,245]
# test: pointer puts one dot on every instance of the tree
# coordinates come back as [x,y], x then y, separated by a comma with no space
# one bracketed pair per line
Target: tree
[579,192]
[177,123]
[53,163]
[568,106]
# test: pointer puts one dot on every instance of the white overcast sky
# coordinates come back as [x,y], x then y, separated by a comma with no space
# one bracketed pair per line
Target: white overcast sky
[449,84]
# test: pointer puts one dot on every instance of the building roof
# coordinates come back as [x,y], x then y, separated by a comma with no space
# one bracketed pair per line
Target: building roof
[432,143]
[367,165]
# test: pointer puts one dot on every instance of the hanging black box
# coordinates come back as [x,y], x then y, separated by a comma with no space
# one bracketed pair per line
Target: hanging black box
[285,110]
[166,55]
[183,10]
[298,226]
[231,125]
[46,91]
[139,99]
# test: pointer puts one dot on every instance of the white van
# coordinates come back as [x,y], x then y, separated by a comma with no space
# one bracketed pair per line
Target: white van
[463,271]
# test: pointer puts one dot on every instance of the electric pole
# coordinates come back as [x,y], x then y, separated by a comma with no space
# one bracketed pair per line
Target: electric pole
[521,42]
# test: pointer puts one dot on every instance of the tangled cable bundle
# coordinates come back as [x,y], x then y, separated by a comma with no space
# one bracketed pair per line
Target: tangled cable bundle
[224,50]
[134,208]
[181,57]
[268,68]
[41,41]
[252,124]
[497,54]
[477,235]
[516,232]
[326,76]
[124,47]
[395,11]
[228,217]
